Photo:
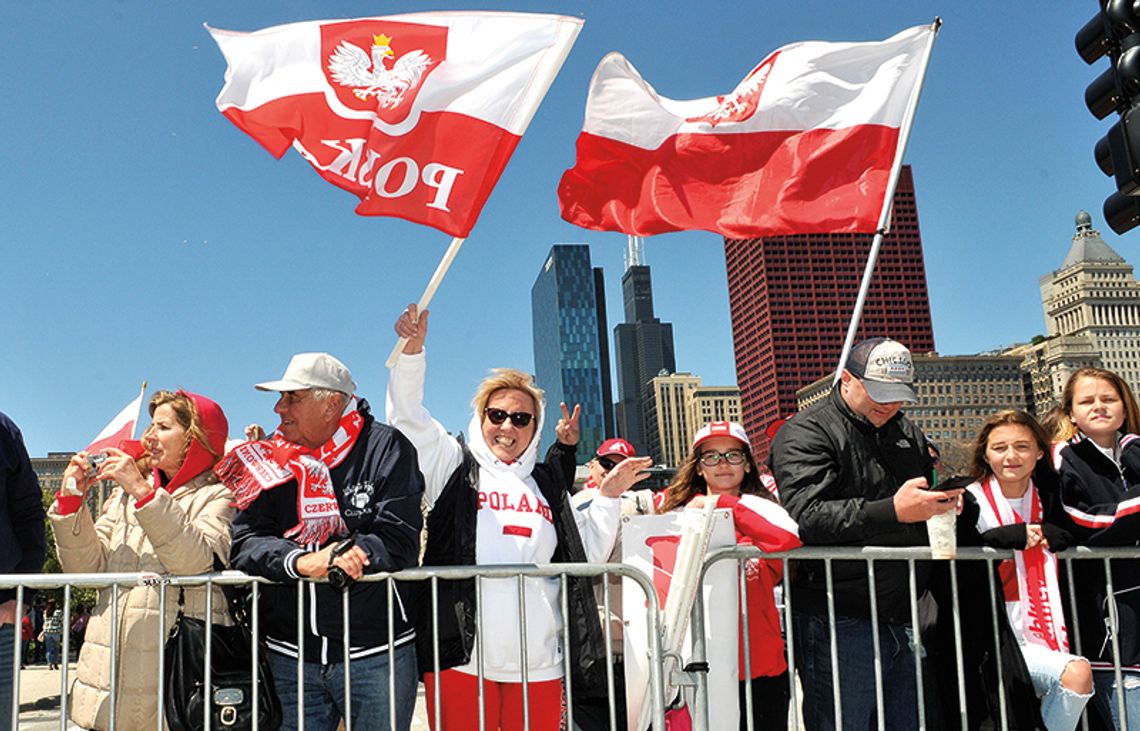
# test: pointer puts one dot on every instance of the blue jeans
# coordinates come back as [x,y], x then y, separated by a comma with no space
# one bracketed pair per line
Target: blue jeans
[7,649]
[1105,698]
[1060,707]
[52,645]
[812,640]
[324,691]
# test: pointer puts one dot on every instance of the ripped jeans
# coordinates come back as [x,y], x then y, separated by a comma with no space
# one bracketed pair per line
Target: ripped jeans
[1060,707]
[1104,681]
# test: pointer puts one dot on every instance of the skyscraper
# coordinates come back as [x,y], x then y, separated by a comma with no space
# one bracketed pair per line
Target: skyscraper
[643,346]
[791,298]
[1093,300]
[568,343]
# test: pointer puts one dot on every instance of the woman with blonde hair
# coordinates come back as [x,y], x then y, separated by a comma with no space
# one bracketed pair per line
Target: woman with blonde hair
[171,517]
[492,502]
[1097,456]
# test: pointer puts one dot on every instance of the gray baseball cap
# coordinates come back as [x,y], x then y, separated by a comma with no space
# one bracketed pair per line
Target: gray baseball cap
[313,370]
[885,368]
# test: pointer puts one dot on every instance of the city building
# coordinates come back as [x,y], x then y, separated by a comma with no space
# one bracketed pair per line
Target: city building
[568,348]
[676,406]
[1047,363]
[792,297]
[956,393]
[1092,308]
[643,346]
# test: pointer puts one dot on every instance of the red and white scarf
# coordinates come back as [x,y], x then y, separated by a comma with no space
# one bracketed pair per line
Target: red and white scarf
[254,467]
[1038,591]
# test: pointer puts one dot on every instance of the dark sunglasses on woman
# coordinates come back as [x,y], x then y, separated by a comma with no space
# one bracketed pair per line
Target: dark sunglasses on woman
[519,419]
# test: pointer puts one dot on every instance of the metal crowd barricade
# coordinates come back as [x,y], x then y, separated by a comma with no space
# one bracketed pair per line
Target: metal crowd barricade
[871,556]
[117,583]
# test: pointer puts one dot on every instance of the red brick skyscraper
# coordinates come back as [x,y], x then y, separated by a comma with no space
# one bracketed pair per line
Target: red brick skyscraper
[791,299]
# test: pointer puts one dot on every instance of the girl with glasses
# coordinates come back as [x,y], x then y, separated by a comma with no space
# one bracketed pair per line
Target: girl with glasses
[492,502]
[721,467]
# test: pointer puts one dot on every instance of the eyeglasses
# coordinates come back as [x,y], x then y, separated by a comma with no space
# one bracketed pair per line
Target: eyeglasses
[608,464]
[519,419]
[732,456]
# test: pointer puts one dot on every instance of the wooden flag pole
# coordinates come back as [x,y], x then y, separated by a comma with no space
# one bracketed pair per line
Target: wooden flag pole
[429,292]
[885,217]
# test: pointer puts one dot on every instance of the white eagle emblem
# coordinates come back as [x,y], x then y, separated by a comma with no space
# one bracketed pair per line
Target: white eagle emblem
[352,66]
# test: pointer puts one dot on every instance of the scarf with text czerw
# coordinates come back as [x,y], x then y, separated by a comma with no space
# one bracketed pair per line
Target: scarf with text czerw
[1033,572]
[257,466]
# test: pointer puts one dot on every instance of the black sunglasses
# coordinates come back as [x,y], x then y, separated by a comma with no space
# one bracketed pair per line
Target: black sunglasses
[608,464]
[519,419]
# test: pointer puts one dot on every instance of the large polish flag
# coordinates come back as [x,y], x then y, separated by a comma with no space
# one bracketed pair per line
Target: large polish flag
[415,114]
[121,428]
[804,144]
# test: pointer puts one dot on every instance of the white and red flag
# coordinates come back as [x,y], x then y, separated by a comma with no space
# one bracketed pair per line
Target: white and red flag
[804,144]
[415,114]
[121,428]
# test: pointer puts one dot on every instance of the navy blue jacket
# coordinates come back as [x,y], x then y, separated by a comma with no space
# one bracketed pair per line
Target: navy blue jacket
[379,489]
[22,541]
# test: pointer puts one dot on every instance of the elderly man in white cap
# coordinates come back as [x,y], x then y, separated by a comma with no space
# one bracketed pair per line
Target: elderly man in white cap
[853,470]
[332,494]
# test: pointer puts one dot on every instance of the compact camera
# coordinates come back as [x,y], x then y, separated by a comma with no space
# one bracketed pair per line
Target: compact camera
[94,461]
[337,576]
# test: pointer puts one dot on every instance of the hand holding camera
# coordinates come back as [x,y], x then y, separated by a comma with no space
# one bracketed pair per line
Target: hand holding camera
[339,576]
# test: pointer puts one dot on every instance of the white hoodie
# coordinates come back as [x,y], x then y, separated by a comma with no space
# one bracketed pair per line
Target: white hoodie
[514,526]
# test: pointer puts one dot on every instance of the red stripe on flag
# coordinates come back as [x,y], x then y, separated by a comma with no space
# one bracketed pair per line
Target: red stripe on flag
[517,530]
[439,174]
[739,185]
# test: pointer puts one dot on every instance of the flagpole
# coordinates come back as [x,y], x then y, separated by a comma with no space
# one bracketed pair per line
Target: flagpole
[429,292]
[885,216]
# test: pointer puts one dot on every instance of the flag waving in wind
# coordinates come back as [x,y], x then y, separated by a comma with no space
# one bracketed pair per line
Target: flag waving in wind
[415,114]
[121,428]
[804,144]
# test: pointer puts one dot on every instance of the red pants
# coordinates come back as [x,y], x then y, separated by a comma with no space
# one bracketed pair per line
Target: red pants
[459,703]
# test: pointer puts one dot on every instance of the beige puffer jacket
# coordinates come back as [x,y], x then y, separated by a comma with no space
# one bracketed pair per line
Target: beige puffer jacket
[177,533]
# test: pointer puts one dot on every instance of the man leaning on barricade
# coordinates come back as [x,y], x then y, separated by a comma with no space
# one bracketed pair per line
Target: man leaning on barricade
[853,471]
[333,494]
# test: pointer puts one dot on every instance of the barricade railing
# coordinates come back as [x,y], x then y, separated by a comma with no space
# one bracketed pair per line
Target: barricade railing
[430,578]
[913,557]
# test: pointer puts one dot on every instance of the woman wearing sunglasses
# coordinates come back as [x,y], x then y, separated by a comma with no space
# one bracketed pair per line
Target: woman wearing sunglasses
[492,502]
[721,467]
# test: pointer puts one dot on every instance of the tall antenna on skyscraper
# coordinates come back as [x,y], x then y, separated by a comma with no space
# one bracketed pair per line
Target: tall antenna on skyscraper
[634,252]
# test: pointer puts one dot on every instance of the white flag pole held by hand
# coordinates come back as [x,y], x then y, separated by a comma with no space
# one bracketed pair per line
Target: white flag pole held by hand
[429,292]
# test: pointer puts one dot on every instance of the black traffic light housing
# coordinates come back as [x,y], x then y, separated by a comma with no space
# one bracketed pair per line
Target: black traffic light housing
[1115,32]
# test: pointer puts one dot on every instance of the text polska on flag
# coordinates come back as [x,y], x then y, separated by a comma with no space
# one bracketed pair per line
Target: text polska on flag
[417,114]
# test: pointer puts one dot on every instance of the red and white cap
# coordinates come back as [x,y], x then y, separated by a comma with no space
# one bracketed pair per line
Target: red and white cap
[616,446]
[722,429]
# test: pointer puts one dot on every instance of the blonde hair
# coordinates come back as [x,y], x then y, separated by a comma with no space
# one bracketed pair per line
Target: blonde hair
[1066,429]
[186,413]
[508,378]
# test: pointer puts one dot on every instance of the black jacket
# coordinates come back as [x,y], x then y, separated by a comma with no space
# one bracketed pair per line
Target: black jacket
[451,542]
[379,488]
[838,474]
[23,544]
[1103,502]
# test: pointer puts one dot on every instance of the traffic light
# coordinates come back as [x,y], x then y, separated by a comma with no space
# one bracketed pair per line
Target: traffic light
[1115,32]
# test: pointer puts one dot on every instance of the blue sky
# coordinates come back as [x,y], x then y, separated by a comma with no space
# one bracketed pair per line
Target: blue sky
[143,236]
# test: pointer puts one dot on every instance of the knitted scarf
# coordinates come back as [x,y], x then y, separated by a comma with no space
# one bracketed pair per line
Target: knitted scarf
[254,467]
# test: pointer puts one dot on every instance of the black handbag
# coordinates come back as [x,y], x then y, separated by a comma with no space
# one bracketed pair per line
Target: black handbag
[231,685]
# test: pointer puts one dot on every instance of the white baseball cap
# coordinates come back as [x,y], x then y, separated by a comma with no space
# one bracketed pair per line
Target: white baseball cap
[885,368]
[721,429]
[313,370]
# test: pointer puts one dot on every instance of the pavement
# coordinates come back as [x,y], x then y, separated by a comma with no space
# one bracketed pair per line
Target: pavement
[39,700]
